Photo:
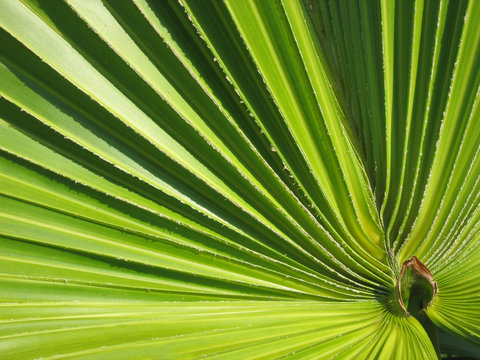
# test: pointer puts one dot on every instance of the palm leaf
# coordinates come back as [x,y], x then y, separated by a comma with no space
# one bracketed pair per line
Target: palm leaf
[238,179]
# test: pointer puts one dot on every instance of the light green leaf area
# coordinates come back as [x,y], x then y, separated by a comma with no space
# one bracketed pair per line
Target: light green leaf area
[237,179]
[230,330]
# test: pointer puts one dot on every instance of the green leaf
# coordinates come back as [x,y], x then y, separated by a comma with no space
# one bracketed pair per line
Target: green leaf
[239,179]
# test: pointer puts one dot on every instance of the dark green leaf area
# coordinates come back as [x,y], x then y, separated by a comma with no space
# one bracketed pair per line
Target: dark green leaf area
[417,294]
[453,347]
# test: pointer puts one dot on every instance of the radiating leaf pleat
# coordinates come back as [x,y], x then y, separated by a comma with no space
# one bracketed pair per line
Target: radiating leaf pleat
[236,179]
[233,330]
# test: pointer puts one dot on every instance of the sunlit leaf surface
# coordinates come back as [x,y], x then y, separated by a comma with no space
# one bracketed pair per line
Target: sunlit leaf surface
[237,179]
